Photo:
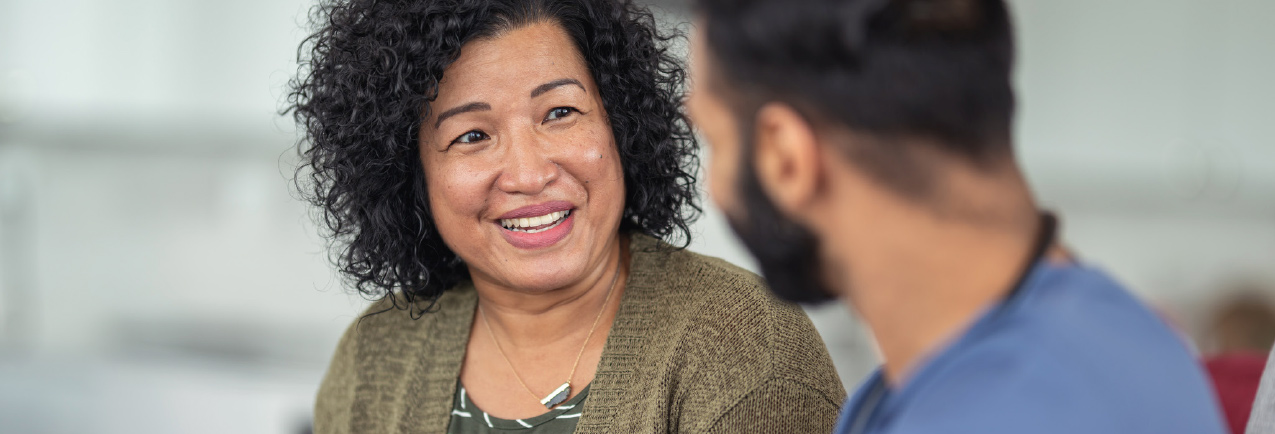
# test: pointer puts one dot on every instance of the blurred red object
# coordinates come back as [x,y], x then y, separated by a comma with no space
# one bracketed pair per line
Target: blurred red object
[1236,376]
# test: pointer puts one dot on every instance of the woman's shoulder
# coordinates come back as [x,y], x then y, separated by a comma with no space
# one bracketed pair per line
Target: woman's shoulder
[391,317]
[688,282]
[729,335]
[682,269]
[734,304]
[389,331]
[383,349]
[729,312]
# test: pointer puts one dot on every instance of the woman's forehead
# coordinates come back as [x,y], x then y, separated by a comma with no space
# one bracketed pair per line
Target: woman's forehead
[512,64]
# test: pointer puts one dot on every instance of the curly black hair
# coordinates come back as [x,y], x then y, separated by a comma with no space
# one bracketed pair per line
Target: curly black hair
[367,77]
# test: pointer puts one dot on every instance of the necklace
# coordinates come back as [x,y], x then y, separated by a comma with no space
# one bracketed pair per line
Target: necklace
[560,394]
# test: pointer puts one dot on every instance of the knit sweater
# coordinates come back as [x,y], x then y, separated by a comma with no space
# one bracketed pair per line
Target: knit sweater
[698,346]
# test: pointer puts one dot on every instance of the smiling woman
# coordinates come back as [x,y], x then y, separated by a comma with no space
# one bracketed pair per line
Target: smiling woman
[530,186]
[503,176]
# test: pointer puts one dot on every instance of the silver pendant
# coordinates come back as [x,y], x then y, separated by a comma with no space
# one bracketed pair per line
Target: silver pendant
[558,396]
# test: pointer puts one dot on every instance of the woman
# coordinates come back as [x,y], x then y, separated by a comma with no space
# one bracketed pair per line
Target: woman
[501,174]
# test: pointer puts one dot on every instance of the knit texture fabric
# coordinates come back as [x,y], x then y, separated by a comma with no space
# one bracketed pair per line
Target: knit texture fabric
[698,346]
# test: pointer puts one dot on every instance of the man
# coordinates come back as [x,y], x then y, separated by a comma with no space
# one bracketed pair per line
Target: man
[862,151]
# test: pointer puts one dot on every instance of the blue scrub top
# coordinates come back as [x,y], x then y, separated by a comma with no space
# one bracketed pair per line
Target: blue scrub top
[1069,352]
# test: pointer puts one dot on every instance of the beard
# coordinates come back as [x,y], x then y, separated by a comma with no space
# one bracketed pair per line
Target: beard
[787,252]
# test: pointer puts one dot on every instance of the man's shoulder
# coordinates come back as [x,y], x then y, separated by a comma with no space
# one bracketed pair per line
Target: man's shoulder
[1083,321]
[1080,355]
[1056,404]
[1045,393]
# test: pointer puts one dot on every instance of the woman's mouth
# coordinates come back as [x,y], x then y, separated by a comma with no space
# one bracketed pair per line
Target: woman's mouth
[536,224]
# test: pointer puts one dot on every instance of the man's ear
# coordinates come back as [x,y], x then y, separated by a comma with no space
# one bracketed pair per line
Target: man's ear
[786,158]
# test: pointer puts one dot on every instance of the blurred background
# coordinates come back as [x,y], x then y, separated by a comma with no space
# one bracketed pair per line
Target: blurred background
[156,274]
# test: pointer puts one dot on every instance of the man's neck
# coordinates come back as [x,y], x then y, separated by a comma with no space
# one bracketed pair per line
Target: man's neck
[919,277]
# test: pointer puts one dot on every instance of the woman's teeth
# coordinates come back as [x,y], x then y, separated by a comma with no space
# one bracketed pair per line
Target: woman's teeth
[526,224]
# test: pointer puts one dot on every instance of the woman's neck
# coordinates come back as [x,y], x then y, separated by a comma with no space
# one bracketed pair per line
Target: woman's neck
[533,319]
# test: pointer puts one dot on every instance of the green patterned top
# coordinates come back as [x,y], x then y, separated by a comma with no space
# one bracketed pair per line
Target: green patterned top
[467,418]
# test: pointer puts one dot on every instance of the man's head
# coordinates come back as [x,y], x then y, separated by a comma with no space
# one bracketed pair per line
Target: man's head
[819,111]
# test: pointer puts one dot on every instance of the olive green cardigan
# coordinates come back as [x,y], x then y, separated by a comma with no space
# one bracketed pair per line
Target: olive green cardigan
[698,346]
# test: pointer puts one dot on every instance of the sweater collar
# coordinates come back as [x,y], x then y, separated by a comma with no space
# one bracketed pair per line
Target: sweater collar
[625,341]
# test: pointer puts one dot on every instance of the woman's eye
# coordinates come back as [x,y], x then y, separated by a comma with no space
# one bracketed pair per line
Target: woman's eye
[471,137]
[559,113]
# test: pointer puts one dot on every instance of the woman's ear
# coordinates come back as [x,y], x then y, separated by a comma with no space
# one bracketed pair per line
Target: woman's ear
[786,158]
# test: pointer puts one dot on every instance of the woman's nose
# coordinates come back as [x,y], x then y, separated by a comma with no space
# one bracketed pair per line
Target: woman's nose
[528,168]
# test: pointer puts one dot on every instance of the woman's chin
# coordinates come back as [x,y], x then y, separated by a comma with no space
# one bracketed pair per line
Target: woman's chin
[539,283]
[546,260]
[551,271]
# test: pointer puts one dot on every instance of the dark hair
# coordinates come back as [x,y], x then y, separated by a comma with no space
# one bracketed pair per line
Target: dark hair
[366,80]
[937,70]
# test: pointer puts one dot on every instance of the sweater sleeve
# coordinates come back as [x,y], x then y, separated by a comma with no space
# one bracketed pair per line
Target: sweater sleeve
[336,392]
[779,406]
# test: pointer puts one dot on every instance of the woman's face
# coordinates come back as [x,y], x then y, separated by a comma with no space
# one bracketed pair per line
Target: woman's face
[524,177]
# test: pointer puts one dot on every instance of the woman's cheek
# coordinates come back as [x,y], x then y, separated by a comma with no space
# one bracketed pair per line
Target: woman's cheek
[599,152]
[605,179]
[457,199]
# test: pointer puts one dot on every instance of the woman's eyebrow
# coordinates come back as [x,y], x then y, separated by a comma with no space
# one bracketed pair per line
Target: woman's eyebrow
[471,107]
[541,89]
